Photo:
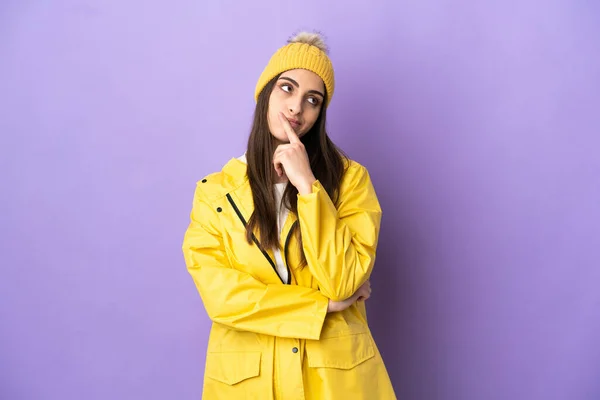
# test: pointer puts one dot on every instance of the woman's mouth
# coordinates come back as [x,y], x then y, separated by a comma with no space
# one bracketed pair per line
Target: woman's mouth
[294,123]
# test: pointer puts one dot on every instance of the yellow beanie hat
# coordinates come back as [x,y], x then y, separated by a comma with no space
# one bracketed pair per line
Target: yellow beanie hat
[304,51]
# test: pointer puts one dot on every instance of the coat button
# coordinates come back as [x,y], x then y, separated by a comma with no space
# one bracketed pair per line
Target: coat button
[219,209]
[203,180]
[295,350]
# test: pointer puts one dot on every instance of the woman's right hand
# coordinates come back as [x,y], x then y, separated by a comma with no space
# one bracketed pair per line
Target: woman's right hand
[362,294]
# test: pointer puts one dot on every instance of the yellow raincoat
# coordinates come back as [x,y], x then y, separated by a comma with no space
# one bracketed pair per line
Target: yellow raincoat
[275,340]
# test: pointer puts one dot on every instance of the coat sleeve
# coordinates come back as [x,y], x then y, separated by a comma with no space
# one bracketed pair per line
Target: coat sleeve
[340,243]
[237,299]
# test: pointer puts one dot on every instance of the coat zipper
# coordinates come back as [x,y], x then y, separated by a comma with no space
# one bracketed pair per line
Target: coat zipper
[285,250]
[257,243]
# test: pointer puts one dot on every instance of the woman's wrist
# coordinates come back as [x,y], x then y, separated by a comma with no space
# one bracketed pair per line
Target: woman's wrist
[306,186]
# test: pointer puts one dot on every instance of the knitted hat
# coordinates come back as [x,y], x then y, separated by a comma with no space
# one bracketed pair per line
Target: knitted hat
[305,51]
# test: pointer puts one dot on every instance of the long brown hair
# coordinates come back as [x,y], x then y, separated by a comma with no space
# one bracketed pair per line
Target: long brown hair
[326,162]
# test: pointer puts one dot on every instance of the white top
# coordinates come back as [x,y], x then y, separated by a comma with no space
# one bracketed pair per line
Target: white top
[282,213]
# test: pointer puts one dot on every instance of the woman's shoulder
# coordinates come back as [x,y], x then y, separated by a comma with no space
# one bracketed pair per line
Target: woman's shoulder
[353,171]
[217,184]
[356,189]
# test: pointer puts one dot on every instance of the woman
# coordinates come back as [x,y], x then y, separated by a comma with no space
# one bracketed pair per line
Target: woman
[281,245]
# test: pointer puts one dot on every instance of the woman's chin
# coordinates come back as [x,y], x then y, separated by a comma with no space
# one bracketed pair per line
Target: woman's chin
[282,138]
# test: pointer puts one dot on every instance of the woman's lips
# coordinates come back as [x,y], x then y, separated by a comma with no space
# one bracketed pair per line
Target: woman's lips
[294,123]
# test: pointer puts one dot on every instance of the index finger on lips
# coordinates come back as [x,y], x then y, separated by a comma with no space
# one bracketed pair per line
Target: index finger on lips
[289,131]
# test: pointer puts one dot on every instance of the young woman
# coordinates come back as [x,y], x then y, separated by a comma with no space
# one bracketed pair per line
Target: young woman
[281,246]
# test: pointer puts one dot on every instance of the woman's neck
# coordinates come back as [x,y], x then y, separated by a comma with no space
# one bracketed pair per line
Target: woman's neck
[281,179]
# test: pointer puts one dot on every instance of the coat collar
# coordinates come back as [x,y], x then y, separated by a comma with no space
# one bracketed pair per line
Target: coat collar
[235,173]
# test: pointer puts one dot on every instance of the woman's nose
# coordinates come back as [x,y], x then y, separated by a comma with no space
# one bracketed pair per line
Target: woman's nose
[295,106]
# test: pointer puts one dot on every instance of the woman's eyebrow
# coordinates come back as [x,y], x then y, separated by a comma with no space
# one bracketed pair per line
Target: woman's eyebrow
[291,80]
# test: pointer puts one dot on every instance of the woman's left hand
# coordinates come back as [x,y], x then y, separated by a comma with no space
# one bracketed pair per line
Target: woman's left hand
[292,160]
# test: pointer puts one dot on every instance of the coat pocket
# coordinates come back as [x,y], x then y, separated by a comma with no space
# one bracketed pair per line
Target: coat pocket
[342,352]
[232,367]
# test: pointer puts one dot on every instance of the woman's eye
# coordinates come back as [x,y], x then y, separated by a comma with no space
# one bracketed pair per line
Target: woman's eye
[313,101]
[286,88]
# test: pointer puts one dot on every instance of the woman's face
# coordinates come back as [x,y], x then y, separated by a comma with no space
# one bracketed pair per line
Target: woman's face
[299,95]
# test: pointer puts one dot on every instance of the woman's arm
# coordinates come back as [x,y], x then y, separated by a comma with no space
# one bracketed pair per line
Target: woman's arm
[340,243]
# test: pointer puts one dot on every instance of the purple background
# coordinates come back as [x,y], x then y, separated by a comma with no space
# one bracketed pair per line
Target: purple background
[480,125]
